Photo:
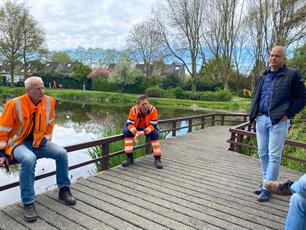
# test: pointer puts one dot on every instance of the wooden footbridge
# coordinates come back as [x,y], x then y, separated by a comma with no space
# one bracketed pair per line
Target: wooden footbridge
[202,186]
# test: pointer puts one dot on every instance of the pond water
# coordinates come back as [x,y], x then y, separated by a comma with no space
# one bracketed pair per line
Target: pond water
[76,123]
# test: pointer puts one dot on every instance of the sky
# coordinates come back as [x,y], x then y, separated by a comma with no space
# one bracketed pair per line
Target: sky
[88,23]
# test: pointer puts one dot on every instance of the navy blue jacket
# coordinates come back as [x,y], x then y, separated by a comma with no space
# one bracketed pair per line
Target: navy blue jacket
[288,95]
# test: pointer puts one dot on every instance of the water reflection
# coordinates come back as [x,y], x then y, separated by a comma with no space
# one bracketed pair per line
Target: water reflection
[76,123]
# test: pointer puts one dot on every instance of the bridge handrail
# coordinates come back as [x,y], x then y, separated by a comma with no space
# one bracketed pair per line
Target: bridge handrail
[238,134]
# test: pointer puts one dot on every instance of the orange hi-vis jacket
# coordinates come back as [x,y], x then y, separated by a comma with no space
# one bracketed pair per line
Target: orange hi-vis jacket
[16,122]
[144,121]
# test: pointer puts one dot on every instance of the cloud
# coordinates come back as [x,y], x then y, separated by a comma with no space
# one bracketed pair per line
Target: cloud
[88,23]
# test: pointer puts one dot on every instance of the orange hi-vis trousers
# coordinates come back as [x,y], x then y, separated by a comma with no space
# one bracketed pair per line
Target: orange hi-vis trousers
[129,140]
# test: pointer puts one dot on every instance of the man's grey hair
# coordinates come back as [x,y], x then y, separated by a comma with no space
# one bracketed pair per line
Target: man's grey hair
[28,81]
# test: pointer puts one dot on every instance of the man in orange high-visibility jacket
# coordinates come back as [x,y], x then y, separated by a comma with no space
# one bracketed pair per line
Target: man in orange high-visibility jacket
[26,127]
[142,121]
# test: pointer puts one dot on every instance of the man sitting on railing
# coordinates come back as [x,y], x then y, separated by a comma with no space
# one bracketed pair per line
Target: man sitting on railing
[26,127]
[142,121]
[279,95]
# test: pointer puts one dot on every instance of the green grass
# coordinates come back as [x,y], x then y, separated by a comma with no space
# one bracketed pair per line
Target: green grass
[96,97]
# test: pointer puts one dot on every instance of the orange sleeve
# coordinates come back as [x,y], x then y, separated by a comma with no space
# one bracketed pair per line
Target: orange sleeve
[153,121]
[132,120]
[7,121]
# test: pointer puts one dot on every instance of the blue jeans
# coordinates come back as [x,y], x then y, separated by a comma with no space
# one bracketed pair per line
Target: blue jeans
[296,218]
[270,142]
[27,156]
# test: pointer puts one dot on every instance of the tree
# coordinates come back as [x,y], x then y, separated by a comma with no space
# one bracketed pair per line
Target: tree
[220,33]
[33,38]
[124,74]
[299,60]
[81,72]
[18,33]
[272,23]
[100,73]
[61,57]
[180,24]
[110,56]
[145,43]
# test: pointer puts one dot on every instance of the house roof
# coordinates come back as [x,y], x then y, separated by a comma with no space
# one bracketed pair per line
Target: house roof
[51,66]
[68,67]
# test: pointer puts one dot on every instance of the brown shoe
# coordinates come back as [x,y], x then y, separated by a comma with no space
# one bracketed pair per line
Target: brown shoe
[279,188]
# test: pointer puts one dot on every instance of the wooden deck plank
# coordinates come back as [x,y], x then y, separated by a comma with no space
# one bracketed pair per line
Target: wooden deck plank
[16,212]
[202,186]
[129,206]
[70,212]
[113,189]
[175,203]
[6,222]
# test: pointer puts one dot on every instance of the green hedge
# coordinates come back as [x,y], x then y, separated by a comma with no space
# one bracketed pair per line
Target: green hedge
[104,85]
[66,81]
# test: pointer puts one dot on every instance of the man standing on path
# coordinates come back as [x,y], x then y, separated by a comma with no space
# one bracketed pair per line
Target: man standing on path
[26,127]
[279,95]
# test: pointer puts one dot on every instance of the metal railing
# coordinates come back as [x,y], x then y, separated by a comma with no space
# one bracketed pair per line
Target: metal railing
[199,122]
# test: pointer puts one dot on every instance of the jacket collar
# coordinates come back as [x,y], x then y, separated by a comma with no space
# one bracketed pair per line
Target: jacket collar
[281,70]
[31,105]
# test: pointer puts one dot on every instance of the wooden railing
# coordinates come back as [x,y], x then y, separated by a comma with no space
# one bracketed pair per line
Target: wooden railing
[247,131]
[199,122]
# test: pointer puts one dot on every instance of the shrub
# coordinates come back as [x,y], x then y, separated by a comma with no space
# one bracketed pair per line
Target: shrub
[220,95]
[179,93]
[171,80]
[194,95]
[104,85]
[153,92]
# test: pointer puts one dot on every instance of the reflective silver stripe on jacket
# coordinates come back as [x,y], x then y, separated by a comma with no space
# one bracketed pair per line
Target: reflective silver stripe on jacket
[153,122]
[3,143]
[130,121]
[11,142]
[19,112]
[5,129]
[48,109]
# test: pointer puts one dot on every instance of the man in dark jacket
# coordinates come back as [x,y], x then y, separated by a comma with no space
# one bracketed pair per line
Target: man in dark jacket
[279,95]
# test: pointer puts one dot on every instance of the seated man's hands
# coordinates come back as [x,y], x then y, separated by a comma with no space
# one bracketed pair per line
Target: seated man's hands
[4,162]
[138,135]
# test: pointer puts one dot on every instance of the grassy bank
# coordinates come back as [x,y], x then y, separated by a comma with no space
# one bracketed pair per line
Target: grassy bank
[96,97]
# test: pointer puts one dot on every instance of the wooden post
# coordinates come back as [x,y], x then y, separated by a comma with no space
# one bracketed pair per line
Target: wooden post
[202,122]
[104,161]
[239,140]
[232,146]
[189,125]
[174,128]
[245,118]
[213,120]
[148,147]
[222,119]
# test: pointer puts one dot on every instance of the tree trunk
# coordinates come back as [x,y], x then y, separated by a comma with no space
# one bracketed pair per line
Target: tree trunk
[194,75]
[12,67]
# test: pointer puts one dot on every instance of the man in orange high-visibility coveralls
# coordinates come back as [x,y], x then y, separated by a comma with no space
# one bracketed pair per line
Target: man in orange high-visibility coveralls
[142,121]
